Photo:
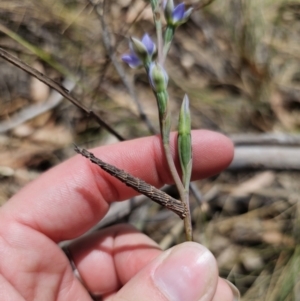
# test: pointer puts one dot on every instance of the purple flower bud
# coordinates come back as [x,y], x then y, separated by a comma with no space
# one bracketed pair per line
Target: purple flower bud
[141,52]
[176,16]
[150,46]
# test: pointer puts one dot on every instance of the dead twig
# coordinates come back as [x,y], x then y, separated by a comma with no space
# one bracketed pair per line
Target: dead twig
[57,87]
[266,157]
[137,184]
[266,139]
[35,110]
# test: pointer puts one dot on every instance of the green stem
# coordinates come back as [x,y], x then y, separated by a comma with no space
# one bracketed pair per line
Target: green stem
[159,41]
[188,219]
[153,4]
[164,118]
[156,6]
[183,192]
[173,170]
[169,34]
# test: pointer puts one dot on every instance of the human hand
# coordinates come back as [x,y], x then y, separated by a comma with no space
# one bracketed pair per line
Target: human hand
[118,262]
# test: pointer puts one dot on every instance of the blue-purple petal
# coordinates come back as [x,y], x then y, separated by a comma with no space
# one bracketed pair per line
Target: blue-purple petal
[132,60]
[150,46]
[178,12]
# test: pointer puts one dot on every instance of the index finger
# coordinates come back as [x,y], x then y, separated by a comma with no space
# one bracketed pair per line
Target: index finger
[72,197]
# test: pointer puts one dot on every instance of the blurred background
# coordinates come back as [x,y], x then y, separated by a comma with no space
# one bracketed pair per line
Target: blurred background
[239,62]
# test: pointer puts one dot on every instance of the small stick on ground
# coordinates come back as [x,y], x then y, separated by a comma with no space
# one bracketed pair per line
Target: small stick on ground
[57,87]
[137,184]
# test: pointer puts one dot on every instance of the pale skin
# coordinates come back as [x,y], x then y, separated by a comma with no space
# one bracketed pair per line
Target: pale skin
[119,262]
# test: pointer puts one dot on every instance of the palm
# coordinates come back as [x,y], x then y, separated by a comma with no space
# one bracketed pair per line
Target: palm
[37,271]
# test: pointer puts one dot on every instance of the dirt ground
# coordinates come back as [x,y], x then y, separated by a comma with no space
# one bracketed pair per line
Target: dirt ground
[239,62]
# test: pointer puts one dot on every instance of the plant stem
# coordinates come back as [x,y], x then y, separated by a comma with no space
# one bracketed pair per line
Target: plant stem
[188,219]
[157,12]
[159,42]
[184,194]
[169,34]
[164,118]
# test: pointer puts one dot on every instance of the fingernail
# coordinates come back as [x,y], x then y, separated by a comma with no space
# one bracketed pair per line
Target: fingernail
[235,291]
[187,272]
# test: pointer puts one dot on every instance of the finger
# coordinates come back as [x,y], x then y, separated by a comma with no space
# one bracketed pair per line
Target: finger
[185,272]
[107,259]
[223,289]
[70,198]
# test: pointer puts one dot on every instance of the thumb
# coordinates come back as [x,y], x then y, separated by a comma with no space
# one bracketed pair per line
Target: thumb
[185,272]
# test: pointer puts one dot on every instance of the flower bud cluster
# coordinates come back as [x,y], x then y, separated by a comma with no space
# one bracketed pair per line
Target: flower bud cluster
[143,53]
